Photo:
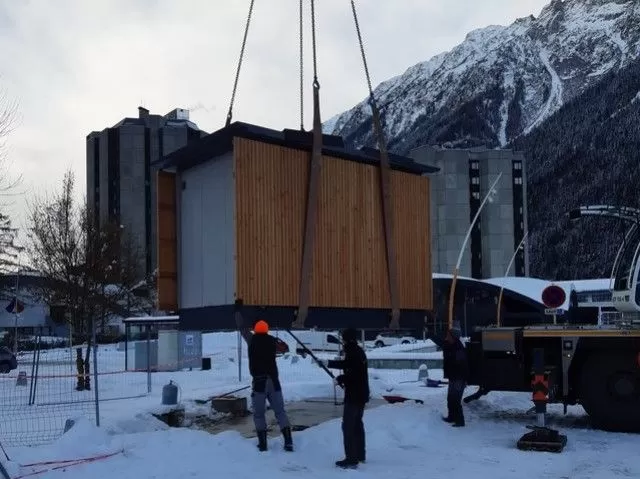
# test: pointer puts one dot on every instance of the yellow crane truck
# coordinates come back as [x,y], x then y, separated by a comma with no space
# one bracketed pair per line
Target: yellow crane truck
[596,366]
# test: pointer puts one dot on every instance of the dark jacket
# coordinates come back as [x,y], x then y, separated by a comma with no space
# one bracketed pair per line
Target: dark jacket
[262,361]
[455,362]
[355,378]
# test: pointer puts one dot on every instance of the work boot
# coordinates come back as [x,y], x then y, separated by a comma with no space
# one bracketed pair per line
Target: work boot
[447,419]
[288,441]
[458,417]
[347,464]
[262,440]
[458,422]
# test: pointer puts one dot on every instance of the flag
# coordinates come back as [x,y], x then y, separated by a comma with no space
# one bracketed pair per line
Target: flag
[15,306]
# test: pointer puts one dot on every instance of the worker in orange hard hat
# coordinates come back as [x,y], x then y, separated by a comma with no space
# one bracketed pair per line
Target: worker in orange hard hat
[266,385]
[261,327]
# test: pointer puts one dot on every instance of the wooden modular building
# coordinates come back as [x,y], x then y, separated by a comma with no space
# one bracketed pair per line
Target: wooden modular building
[231,217]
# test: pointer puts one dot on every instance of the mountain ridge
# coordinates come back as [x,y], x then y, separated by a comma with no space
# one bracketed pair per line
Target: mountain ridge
[501,81]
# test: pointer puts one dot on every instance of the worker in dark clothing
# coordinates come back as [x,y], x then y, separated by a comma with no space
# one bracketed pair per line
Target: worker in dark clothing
[456,370]
[355,381]
[266,385]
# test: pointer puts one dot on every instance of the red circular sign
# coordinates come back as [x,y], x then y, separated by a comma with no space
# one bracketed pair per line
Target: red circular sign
[553,296]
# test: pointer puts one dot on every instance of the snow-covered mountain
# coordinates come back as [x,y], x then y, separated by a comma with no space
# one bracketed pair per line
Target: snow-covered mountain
[502,81]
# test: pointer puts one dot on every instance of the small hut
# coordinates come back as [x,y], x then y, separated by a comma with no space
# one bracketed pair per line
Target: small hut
[231,220]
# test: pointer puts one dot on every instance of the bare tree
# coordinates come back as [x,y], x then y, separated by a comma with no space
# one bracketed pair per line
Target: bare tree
[89,269]
[9,249]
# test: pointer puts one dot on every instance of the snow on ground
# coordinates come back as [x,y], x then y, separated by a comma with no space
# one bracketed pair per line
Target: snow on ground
[401,355]
[123,393]
[420,345]
[403,440]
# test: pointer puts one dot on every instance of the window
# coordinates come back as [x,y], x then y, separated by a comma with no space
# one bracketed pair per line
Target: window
[476,195]
[475,165]
[517,165]
[331,339]
[475,180]
[517,181]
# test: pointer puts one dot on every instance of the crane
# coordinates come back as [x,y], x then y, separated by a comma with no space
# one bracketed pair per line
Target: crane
[626,267]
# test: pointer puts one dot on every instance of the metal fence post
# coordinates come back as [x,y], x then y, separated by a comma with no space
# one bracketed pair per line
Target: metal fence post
[33,371]
[239,357]
[126,347]
[95,375]
[148,359]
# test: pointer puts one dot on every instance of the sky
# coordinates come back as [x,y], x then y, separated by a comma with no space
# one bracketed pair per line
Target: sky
[76,66]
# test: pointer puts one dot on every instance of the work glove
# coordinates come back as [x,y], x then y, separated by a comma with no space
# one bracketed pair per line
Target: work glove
[339,381]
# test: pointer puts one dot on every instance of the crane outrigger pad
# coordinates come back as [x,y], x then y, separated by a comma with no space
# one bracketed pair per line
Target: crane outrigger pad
[542,439]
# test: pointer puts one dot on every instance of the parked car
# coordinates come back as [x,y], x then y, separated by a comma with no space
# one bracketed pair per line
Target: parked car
[8,361]
[391,339]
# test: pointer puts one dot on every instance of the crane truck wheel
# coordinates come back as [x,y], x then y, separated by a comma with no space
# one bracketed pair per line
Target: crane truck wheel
[610,391]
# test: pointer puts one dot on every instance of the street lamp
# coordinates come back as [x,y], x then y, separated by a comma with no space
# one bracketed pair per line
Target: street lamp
[506,273]
[488,197]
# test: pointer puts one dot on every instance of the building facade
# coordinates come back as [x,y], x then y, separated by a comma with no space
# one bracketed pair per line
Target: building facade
[34,316]
[121,186]
[457,192]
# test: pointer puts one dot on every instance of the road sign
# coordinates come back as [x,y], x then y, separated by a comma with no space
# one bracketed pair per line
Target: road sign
[551,311]
[553,296]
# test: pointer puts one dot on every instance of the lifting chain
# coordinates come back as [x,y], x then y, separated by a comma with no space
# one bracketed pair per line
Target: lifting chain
[235,83]
[385,183]
[316,85]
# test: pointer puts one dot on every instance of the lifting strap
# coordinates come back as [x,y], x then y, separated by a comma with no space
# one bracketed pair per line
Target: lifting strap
[385,187]
[313,187]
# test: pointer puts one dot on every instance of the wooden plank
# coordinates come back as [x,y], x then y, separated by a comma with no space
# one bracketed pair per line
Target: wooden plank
[349,263]
[167,278]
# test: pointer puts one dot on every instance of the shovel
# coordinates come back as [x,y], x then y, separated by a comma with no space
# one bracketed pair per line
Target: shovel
[205,401]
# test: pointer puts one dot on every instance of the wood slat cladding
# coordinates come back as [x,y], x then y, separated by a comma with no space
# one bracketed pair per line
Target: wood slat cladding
[411,205]
[349,258]
[270,194]
[167,280]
